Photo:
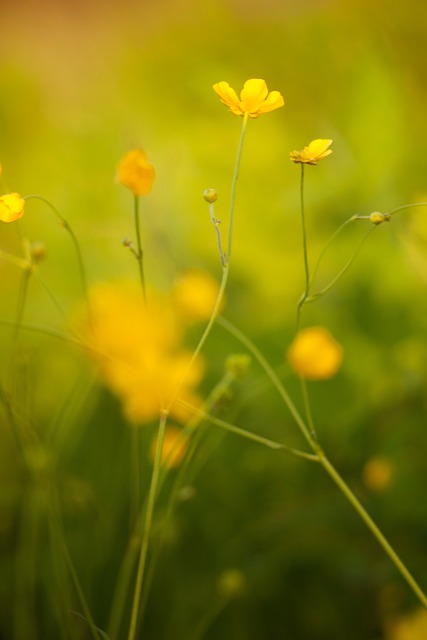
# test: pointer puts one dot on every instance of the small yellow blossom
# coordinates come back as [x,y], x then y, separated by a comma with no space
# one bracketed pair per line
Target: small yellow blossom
[195,293]
[11,207]
[175,445]
[136,173]
[314,354]
[378,474]
[139,353]
[316,150]
[410,627]
[255,99]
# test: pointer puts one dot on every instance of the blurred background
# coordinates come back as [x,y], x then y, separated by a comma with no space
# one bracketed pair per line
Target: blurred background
[81,84]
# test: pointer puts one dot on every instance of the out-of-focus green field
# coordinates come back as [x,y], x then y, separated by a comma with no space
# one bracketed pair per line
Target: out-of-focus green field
[80,85]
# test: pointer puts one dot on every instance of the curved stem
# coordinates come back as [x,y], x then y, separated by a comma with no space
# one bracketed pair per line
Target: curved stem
[233,186]
[407,206]
[76,244]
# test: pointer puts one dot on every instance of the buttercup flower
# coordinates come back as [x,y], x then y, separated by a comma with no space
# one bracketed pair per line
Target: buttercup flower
[139,352]
[316,150]
[11,207]
[136,173]
[255,99]
[314,354]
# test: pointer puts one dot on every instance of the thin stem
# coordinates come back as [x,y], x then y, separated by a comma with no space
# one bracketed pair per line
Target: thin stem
[345,489]
[231,328]
[147,527]
[140,254]
[76,244]
[327,245]
[234,184]
[305,251]
[345,268]
[216,224]
[407,206]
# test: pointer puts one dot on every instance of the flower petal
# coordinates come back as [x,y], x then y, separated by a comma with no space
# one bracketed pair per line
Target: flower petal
[273,101]
[228,96]
[253,94]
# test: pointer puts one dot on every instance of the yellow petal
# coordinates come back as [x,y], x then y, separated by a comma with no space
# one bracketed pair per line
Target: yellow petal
[314,354]
[318,148]
[254,92]
[273,101]
[228,96]
[11,207]
[136,173]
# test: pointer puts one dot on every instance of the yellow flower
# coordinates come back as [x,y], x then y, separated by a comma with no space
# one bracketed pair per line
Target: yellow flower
[255,99]
[316,150]
[139,352]
[175,445]
[409,627]
[11,207]
[314,354]
[378,474]
[195,294]
[136,173]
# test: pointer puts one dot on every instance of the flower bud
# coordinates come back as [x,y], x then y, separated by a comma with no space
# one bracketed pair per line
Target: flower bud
[377,218]
[210,195]
[38,251]
[238,364]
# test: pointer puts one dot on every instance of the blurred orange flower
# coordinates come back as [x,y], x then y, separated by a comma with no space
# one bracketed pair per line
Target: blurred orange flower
[136,173]
[11,207]
[255,99]
[316,150]
[314,354]
[139,352]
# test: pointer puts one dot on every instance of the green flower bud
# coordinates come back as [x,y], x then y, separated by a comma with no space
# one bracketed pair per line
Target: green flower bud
[210,195]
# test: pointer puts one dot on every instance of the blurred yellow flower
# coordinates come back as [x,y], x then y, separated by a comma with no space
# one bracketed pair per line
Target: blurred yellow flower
[409,627]
[195,293]
[136,173]
[139,352]
[314,354]
[378,473]
[175,445]
[316,150]
[255,99]
[11,207]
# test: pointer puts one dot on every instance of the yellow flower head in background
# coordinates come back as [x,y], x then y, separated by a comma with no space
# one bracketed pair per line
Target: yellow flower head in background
[136,173]
[11,207]
[316,150]
[409,627]
[195,293]
[314,354]
[255,99]
[139,352]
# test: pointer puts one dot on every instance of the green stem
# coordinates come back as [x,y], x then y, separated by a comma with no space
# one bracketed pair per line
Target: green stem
[234,184]
[140,253]
[277,383]
[407,206]
[305,251]
[327,245]
[345,268]
[345,489]
[147,528]
[75,242]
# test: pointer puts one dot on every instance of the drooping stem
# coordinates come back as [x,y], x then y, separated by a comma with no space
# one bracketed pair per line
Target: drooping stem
[75,242]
